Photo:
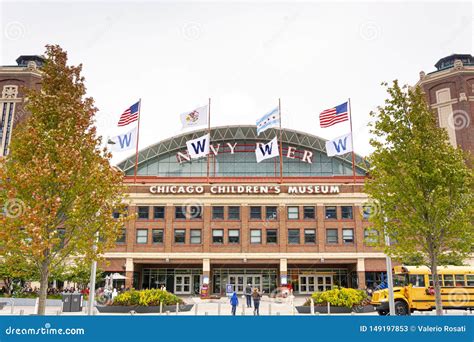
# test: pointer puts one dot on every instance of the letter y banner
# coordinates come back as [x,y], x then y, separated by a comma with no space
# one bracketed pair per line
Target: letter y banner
[339,145]
[199,147]
[266,151]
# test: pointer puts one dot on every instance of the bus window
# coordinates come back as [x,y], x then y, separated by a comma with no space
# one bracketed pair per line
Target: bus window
[448,280]
[470,279]
[417,280]
[459,278]
[440,280]
[400,280]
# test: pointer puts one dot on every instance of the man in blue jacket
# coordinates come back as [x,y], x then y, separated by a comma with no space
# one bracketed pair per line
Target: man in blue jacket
[234,301]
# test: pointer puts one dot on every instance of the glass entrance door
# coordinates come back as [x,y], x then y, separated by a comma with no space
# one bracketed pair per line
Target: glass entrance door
[255,281]
[313,283]
[240,281]
[182,284]
[237,282]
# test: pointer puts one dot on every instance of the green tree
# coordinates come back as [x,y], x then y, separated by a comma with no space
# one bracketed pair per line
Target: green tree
[80,273]
[14,268]
[422,188]
[57,184]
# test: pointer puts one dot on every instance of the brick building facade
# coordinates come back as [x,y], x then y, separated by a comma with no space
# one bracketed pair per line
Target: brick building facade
[244,224]
[13,82]
[450,92]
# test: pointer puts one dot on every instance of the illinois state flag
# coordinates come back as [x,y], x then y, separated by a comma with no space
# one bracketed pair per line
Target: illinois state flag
[196,117]
[266,151]
[125,141]
[199,147]
[339,145]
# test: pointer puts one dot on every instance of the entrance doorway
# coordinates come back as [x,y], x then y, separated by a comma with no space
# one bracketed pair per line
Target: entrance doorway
[239,282]
[314,283]
[182,284]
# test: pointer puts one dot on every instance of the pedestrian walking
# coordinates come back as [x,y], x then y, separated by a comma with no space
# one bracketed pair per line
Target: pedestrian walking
[256,302]
[234,301]
[248,295]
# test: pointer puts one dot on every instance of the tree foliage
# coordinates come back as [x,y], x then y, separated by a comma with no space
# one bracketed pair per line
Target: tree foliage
[57,184]
[420,185]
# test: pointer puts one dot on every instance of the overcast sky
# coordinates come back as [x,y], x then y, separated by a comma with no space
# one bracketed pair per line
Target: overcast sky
[244,55]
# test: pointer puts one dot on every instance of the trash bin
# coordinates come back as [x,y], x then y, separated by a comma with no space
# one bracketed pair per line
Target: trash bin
[76,302]
[66,299]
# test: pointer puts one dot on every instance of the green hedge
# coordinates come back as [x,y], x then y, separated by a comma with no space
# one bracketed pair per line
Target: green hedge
[151,297]
[338,296]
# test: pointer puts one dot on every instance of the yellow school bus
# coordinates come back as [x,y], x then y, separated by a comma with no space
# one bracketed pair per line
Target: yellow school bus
[413,289]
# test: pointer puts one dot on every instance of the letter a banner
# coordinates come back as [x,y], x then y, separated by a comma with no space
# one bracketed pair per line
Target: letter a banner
[339,145]
[266,151]
[199,147]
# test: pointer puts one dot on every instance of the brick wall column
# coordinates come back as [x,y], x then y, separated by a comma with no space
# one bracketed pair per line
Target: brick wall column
[282,229]
[169,219]
[206,272]
[320,231]
[245,233]
[361,273]
[283,270]
[129,267]
[206,229]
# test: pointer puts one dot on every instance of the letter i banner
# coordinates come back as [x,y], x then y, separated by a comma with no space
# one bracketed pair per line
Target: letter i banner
[339,145]
[199,147]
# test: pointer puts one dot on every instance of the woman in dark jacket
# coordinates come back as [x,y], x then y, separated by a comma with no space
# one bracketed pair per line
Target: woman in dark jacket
[234,301]
[256,301]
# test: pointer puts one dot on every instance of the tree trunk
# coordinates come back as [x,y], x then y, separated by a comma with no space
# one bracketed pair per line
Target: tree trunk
[43,291]
[8,285]
[437,287]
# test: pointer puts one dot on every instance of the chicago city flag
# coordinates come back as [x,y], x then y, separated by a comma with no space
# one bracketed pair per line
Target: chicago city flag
[124,141]
[196,117]
[269,120]
[199,147]
[266,151]
[339,145]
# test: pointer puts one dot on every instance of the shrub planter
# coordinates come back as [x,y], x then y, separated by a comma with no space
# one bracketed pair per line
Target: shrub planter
[323,309]
[141,309]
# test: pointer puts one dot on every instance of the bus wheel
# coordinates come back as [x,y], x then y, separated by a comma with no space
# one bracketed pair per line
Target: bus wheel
[401,308]
[382,313]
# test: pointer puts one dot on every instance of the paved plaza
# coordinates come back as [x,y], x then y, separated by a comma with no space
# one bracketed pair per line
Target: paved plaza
[211,307]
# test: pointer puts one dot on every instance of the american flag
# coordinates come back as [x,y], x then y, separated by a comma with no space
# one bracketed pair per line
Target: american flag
[333,115]
[130,115]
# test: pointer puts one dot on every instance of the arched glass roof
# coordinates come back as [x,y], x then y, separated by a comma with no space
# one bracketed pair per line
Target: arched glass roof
[235,148]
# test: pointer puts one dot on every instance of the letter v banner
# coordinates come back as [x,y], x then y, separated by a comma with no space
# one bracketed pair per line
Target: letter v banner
[199,147]
[125,141]
[266,151]
[339,145]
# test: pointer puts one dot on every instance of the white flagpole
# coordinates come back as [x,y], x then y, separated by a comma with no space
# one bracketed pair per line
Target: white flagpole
[138,136]
[209,131]
[281,145]
[352,142]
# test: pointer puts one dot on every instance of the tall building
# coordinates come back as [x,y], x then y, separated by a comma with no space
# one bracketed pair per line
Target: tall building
[450,92]
[242,223]
[14,80]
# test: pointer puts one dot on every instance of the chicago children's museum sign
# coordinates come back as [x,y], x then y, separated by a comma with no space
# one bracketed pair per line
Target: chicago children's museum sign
[244,189]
